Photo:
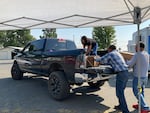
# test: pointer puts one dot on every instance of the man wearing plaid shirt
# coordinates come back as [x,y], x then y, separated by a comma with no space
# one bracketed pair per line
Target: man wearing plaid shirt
[116,61]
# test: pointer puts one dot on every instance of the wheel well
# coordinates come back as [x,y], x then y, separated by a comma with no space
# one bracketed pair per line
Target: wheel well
[55,67]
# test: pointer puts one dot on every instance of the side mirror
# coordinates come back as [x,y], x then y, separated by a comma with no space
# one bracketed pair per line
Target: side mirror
[17,51]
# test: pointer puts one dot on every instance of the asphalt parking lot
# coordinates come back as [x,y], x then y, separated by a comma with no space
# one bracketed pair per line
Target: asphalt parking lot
[30,95]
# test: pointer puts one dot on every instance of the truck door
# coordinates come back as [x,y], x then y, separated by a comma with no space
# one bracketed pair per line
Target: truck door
[31,57]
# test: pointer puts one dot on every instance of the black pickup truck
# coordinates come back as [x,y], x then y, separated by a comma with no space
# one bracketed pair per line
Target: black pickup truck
[62,62]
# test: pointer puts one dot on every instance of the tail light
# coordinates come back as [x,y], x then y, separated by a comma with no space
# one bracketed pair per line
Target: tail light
[70,59]
[61,40]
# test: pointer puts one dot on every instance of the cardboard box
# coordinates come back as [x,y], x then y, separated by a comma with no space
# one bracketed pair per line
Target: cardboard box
[127,55]
[90,62]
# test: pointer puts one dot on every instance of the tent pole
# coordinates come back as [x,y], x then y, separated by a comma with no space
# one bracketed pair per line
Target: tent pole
[139,82]
[137,20]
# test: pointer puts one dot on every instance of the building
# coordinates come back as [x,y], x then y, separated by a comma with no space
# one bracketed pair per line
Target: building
[144,37]
[6,53]
[131,46]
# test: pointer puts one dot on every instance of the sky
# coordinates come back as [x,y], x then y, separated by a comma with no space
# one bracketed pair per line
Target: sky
[123,34]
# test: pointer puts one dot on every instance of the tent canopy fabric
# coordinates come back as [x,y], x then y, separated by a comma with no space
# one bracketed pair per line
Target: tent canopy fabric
[33,14]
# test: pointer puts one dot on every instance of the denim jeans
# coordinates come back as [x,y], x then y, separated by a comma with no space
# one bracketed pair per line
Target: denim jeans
[143,82]
[94,51]
[121,81]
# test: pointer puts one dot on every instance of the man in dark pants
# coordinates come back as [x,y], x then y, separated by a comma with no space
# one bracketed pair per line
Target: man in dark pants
[91,44]
[116,61]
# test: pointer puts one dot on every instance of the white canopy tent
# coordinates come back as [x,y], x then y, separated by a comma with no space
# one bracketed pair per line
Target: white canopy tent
[32,14]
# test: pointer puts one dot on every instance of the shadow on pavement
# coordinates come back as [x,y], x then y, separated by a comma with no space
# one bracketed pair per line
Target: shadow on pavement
[30,95]
[135,111]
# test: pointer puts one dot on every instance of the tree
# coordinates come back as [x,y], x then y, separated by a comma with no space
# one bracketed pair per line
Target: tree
[15,38]
[105,36]
[49,33]
[2,35]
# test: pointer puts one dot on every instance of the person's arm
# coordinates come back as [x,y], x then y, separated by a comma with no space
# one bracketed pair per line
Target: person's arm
[133,61]
[104,59]
[83,46]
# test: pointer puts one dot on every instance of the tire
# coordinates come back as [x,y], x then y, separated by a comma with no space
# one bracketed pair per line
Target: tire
[16,73]
[58,86]
[97,84]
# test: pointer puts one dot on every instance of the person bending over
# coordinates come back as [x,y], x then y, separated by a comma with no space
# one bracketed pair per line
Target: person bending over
[91,45]
[119,66]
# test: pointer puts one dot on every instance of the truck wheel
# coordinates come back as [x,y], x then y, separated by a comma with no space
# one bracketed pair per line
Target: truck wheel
[16,73]
[58,86]
[97,84]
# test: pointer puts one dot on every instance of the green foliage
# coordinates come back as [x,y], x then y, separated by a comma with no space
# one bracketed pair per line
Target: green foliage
[2,35]
[49,33]
[104,36]
[15,38]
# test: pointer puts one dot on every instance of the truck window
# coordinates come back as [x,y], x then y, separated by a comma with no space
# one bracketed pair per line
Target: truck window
[34,46]
[71,45]
[38,45]
[59,44]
